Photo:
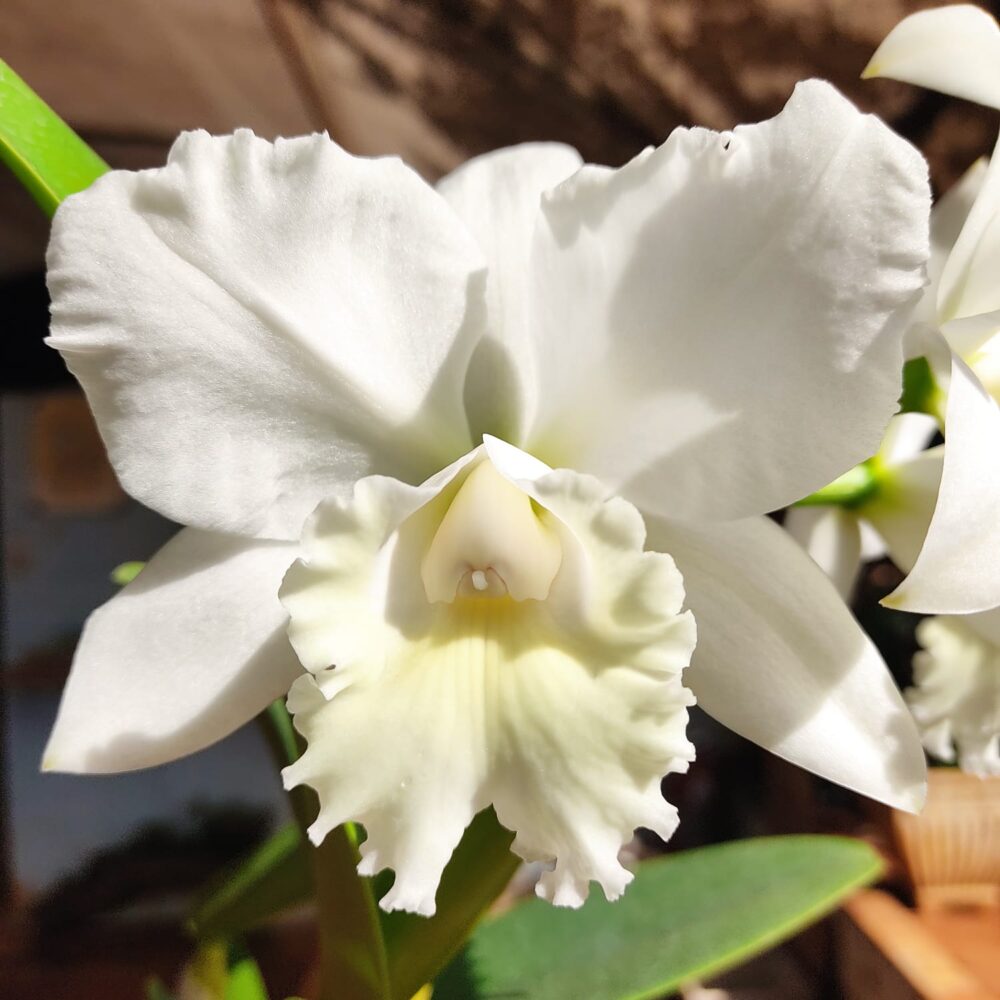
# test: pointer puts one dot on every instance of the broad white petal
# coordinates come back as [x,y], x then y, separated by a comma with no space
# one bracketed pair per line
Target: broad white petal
[907,435]
[968,300]
[832,537]
[564,713]
[956,694]
[958,569]
[947,219]
[191,649]
[498,196]
[781,661]
[257,325]
[902,509]
[696,345]
[872,545]
[953,49]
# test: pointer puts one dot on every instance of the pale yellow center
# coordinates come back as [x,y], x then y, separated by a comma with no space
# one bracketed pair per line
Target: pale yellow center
[491,542]
[986,364]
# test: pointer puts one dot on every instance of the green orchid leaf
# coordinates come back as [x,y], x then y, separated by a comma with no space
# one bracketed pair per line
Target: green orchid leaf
[419,947]
[277,875]
[44,153]
[244,981]
[685,917]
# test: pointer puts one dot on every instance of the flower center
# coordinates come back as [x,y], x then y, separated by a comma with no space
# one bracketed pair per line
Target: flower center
[986,364]
[491,542]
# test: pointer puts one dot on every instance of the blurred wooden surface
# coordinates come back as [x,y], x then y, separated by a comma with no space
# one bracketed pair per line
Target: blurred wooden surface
[952,849]
[438,81]
[886,951]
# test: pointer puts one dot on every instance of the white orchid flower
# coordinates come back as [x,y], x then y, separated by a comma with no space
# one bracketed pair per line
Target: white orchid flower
[890,515]
[956,694]
[957,50]
[284,341]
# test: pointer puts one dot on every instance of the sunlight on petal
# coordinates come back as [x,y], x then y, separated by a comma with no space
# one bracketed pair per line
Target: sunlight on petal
[564,713]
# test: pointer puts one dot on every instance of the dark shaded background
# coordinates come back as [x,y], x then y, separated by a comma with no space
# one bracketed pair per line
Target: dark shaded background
[95,872]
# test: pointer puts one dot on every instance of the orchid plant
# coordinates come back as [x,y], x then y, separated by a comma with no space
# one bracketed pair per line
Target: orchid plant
[934,511]
[476,474]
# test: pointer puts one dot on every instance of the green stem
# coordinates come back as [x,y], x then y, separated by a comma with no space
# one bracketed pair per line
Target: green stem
[49,159]
[849,490]
[921,392]
[353,961]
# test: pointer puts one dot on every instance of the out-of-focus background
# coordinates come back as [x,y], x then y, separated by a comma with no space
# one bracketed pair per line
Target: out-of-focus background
[94,872]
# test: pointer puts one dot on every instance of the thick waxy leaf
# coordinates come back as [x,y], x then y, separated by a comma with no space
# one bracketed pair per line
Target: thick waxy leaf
[684,917]
[44,153]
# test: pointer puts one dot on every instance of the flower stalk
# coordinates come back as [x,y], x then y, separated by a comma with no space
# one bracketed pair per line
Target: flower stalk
[353,963]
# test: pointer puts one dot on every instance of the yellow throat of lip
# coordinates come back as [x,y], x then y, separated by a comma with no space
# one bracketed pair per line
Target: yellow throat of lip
[491,542]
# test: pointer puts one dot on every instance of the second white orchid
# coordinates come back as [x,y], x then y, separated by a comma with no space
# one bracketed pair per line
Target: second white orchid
[956,49]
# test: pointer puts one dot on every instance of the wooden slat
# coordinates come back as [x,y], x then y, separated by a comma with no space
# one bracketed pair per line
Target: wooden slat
[907,961]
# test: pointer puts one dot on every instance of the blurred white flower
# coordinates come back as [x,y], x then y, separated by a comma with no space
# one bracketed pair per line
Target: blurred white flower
[710,332]
[957,325]
[956,694]
[890,516]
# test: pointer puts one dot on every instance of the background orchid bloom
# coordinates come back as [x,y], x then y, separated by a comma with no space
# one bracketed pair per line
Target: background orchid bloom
[710,332]
[889,518]
[957,326]
[955,696]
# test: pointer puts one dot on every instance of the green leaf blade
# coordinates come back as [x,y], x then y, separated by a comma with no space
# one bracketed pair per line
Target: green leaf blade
[277,875]
[685,917]
[49,159]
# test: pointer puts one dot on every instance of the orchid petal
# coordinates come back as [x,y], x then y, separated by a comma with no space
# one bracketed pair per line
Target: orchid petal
[190,650]
[968,299]
[691,301]
[259,325]
[907,435]
[562,713]
[498,196]
[832,537]
[902,509]
[958,568]
[781,661]
[947,219]
[953,49]
[956,694]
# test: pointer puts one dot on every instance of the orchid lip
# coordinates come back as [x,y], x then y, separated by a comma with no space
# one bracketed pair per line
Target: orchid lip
[491,542]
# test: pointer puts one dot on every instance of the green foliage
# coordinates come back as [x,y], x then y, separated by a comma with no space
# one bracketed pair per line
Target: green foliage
[278,875]
[685,917]
[244,981]
[275,876]
[920,389]
[419,947]
[851,489]
[44,153]
[222,971]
